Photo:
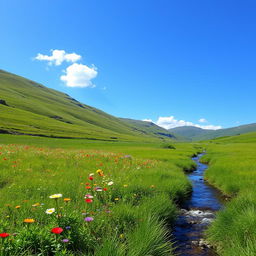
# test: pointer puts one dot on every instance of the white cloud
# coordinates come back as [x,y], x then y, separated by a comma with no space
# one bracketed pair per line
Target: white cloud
[58,57]
[170,122]
[148,120]
[202,120]
[79,75]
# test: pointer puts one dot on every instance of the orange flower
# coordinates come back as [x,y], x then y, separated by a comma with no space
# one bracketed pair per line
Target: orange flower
[28,220]
[17,207]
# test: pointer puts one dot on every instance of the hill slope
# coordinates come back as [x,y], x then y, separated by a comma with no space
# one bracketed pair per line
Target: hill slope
[150,129]
[196,134]
[189,132]
[27,107]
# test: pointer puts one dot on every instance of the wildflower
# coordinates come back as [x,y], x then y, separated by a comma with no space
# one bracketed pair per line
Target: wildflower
[67,200]
[65,240]
[56,196]
[152,186]
[90,178]
[88,219]
[36,204]
[110,183]
[88,196]
[28,220]
[50,211]
[17,207]
[105,189]
[125,185]
[88,187]
[4,235]
[88,200]
[91,174]
[57,230]
[100,172]
[67,227]
[116,199]
[121,236]
[98,189]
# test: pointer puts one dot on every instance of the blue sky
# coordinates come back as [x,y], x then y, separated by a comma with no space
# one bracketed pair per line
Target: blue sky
[178,60]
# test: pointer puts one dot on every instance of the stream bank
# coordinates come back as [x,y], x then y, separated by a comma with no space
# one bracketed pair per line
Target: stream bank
[196,215]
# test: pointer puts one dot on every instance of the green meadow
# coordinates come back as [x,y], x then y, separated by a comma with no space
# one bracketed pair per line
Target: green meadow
[233,170]
[116,199]
[75,180]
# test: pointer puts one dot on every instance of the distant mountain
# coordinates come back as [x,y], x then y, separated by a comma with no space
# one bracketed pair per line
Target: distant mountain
[27,107]
[150,128]
[189,132]
[196,134]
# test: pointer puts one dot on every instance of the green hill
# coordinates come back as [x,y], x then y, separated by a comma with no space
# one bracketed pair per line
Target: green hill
[196,134]
[189,132]
[27,107]
[149,128]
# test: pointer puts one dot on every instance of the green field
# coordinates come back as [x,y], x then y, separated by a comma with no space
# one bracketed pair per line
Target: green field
[129,218]
[233,170]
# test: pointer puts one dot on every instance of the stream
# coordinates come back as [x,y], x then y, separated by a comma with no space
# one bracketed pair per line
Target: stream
[196,214]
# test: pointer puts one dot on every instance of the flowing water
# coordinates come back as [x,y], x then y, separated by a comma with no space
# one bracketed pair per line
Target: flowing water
[196,214]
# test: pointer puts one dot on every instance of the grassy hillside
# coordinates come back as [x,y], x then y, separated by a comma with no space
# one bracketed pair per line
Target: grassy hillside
[189,132]
[197,134]
[27,107]
[149,128]
[232,170]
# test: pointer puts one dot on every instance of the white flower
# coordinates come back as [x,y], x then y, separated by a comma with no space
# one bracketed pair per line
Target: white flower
[50,211]
[88,196]
[110,183]
[55,196]
[91,174]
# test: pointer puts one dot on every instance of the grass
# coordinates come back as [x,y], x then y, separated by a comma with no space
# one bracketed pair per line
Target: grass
[129,216]
[232,170]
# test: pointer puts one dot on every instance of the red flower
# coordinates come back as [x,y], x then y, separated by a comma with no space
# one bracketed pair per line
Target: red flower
[88,187]
[88,200]
[3,235]
[87,183]
[57,230]
[90,178]
[105,189]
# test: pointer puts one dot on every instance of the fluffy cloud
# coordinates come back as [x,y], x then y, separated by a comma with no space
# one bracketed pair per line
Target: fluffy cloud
[148,120]
[58,57]
[202,120]
[170,122]
[79,75]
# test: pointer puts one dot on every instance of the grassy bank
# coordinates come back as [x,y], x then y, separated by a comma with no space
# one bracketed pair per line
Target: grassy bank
[116,198]
[232,170]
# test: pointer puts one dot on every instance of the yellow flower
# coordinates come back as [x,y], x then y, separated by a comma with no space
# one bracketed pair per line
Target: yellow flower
[17,207]
[121,236]
[100,172]
[28,220]
[56,196]
[67,200]
[125,185]
[116,199]
[36,204]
